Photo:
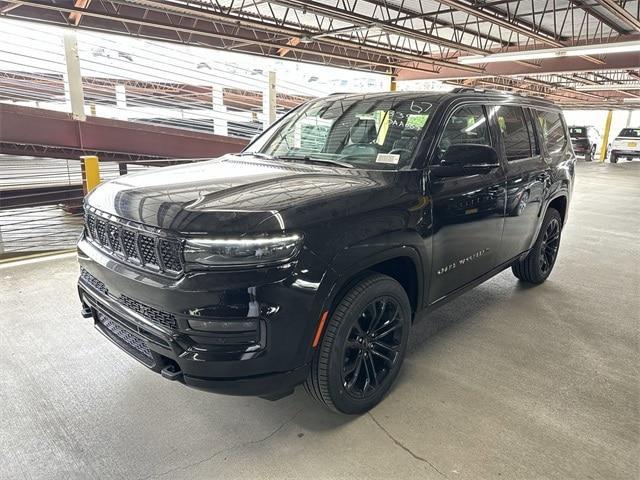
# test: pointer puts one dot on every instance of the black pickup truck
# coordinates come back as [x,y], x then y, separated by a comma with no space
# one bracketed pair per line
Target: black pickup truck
[306,258]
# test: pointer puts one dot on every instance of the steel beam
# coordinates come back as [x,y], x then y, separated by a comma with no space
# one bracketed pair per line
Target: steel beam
[34,126]
[362,20]
[192,25]
[199,28]
[501,19]
[411,14]
[583,5]
[620,12]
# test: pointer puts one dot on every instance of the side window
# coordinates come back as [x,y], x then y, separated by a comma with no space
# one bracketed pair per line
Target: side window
[552,129]
[515,132]
[533,139]
[467,125]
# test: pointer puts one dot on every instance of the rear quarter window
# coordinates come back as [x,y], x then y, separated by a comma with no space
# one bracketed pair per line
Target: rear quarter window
[552,130]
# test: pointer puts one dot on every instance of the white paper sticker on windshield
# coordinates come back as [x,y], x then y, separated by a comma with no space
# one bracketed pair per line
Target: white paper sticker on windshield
[391,158]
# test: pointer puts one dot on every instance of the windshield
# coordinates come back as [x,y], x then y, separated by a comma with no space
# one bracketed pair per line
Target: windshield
[630,133]
[365,131]
[577,132]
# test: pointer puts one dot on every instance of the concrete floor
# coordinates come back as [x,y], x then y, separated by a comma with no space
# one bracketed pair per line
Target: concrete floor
[505,382]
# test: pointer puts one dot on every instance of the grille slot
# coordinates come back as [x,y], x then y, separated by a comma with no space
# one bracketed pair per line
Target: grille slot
[113,232]
[91,225]
[170,255]
[135,244]
[148,250]
[129,243]
[101,232]
[93,281]
[132,344]
[153,314]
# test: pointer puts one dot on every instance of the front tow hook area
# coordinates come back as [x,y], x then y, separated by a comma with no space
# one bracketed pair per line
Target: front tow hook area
[86,312]
[171,372]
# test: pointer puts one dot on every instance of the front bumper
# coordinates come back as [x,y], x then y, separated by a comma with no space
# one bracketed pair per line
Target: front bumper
[268,361]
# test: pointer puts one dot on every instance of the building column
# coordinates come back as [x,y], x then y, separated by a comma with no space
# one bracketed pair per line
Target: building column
[269,101]
[73,79]
[220,122]
[121,102]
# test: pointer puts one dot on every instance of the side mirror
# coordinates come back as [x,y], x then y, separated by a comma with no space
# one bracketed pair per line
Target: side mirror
[466,159]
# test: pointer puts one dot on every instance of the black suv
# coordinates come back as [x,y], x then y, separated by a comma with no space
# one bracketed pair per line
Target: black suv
[306,258]
[585,141]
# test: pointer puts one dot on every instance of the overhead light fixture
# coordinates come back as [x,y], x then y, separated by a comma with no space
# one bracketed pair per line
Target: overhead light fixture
[601,87]
[579,51]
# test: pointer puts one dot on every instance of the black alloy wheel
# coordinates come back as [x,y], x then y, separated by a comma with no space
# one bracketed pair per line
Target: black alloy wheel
[550,245]
[539,262]
[372,347]
[363,346]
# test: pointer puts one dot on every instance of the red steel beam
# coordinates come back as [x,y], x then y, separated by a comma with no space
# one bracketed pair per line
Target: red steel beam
[34,126]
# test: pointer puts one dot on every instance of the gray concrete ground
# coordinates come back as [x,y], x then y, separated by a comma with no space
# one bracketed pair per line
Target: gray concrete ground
[505,382]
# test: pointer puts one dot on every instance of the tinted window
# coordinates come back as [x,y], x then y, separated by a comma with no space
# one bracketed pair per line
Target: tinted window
[552,130]
[515,133]
[533,140]
[630,132]
[368,131]
[467,125]
[577,132]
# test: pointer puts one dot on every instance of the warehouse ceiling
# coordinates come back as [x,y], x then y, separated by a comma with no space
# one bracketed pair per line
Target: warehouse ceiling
[411,39]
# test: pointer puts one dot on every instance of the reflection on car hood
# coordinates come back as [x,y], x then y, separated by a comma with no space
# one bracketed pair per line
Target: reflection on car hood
[231,193]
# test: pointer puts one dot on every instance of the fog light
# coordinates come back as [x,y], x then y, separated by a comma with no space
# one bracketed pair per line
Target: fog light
[223,326]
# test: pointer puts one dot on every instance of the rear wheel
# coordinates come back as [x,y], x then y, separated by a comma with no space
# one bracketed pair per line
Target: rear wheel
[614,158]
[537,265]
[363,347]
[588,157]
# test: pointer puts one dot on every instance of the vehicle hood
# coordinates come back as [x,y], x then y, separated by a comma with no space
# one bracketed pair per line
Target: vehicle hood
[233,194]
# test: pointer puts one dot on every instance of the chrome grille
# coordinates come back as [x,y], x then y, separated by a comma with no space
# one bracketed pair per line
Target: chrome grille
[135,244]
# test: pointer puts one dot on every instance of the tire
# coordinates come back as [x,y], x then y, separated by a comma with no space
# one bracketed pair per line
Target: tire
[614,158]
[335,380]
[588,157]
[537,265]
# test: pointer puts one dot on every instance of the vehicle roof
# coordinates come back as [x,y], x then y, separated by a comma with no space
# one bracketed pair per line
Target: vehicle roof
[458,93]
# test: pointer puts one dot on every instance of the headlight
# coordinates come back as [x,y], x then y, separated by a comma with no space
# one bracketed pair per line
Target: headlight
[245,251]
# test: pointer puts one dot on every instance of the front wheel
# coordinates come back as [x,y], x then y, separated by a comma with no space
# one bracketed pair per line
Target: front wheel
[537,265]
[363,346]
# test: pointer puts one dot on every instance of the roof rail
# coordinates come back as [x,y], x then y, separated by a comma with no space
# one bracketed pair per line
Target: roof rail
[489,90]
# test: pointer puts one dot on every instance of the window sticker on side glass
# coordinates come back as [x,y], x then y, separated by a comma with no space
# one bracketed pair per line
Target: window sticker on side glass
[389,158]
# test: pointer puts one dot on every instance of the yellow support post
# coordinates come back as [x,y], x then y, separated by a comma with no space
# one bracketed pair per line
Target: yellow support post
[394,84]
[90,172]
[605,137]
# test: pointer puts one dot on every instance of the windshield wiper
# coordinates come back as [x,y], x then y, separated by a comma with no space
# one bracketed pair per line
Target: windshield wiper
[266,156]
[306,158]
